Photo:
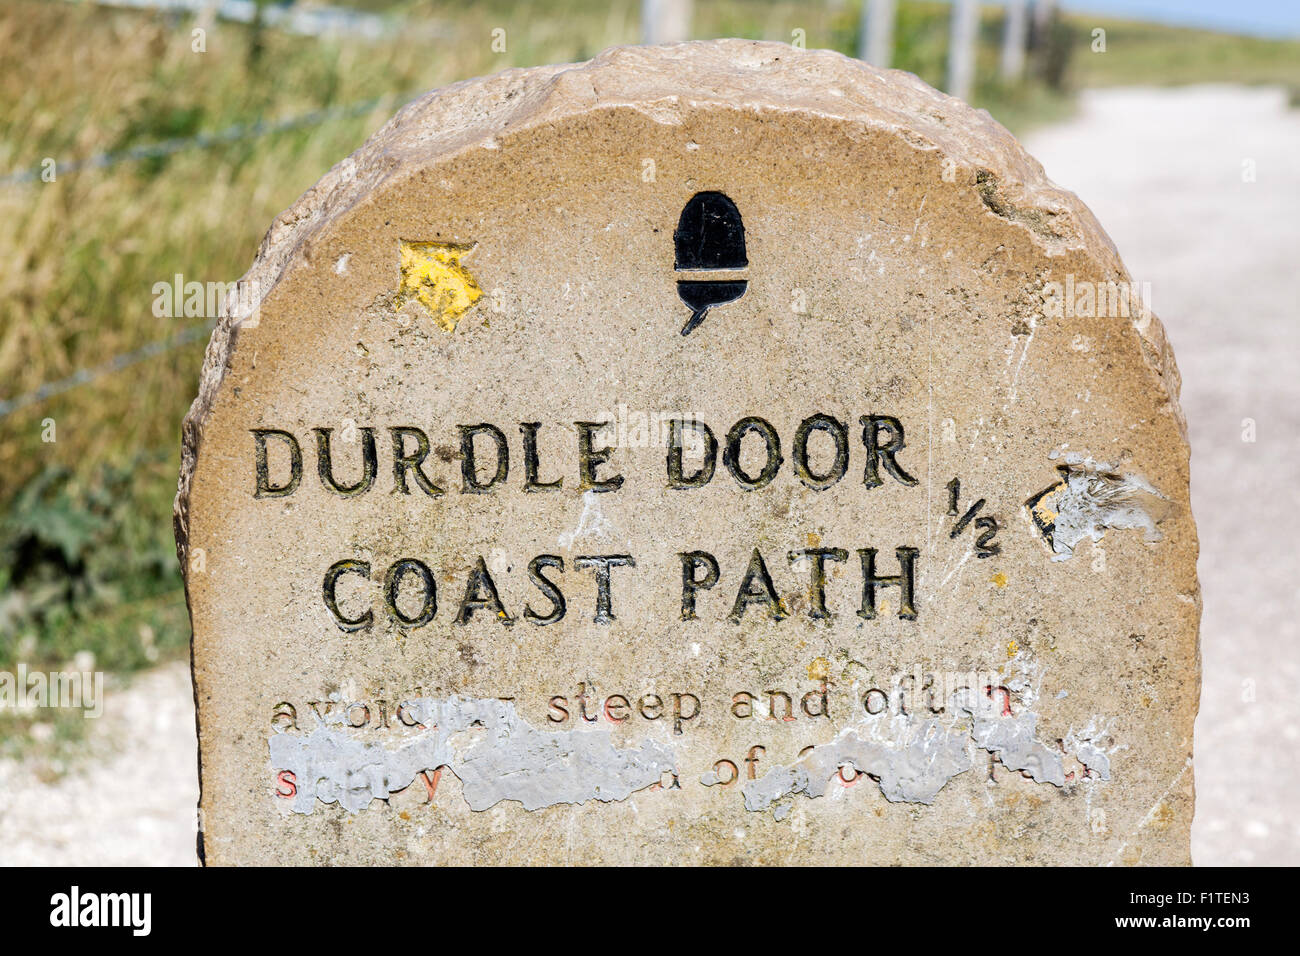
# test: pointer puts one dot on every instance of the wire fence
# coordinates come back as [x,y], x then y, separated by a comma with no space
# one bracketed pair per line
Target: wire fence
[309,20]
[239,131]
[231,134]
[84,376]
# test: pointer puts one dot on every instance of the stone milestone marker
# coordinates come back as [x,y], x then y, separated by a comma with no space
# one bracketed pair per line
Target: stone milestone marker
[710,453]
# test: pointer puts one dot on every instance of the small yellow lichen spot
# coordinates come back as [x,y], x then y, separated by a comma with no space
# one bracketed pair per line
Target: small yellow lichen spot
[433,275]
[814,539]
[1163,816]
[819,669]
[1000,579]
[1013,648]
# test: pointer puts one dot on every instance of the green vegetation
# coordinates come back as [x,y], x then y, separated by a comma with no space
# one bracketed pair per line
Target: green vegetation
[86,558]
[84,566]
[1147,54]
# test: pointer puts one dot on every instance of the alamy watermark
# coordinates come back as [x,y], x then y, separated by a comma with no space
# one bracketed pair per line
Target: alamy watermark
[206,300]
[75,908]
[1096,300]
[980,693]
[70,690]
[649,428]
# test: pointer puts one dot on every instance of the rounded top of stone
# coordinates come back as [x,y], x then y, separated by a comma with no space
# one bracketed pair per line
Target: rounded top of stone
[667,82]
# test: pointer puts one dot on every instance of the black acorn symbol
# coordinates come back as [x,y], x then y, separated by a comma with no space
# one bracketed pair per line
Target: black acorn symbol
[710,236]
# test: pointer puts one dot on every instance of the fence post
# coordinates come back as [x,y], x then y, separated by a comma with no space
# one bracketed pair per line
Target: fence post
[1013,40]
[961,48]
[1044,12]
[665,21]
[876,33]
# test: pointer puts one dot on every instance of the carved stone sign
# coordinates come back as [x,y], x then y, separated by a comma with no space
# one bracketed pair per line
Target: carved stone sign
[709,453]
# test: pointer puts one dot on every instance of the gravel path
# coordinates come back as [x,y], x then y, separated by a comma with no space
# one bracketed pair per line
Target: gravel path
[1163,171]
[130,802]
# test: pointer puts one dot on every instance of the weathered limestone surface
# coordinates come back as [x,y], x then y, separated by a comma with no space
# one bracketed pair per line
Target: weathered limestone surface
[1019,685]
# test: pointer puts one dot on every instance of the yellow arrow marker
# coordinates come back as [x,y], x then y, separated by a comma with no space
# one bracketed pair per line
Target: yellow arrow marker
[432,274]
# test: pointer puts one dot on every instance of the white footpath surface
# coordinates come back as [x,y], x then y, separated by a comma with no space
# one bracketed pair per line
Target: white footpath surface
[1168,173]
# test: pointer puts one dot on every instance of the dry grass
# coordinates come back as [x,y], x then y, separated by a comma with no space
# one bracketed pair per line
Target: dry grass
[80,257]
[81,254]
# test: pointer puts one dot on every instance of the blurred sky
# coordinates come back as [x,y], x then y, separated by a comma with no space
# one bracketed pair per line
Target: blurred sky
[1274,18]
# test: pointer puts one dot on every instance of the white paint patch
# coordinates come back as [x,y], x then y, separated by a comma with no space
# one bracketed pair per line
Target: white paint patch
[913,758]
[912,763]
[1086,745]
[1024,354]
[1093,497]
[591,523]
[496,754]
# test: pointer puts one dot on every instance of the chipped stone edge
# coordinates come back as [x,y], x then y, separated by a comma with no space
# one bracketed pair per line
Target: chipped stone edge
[1092,497]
